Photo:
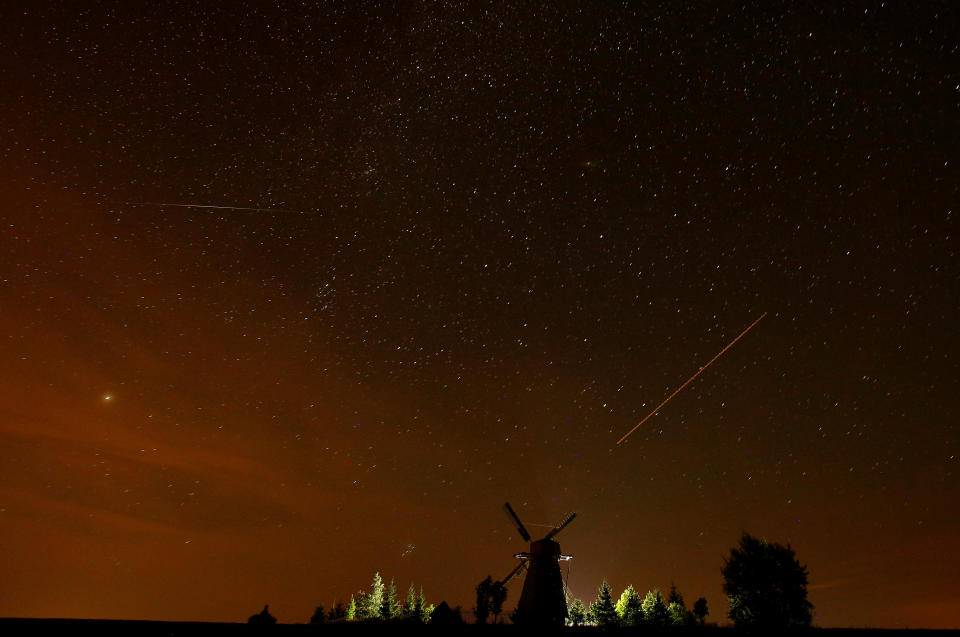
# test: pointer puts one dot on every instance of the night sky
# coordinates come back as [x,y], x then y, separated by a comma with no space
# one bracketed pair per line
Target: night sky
[487,241]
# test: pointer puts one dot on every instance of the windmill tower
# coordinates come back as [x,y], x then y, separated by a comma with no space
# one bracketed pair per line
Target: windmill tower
[542,601]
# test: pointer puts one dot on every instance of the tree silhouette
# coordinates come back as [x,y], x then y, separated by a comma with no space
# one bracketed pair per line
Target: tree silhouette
[654,610]
[766,586]
[602,610]
[675,597]
[319,615]
[443,615]
[700,609]
[629,607]
[482,610]
[577,613]
[498,595]
[337,612]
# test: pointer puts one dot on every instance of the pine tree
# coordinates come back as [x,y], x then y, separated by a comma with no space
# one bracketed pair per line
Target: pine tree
[351,613]
[362,608]
[337,612]
[622,602]
[602,608]
[408,606]
[374,601]
[319,615]
[679,615]
[654,610]
[676,609]
[675,597]
[420,609]
[630,607]
[391,607]
[577,613]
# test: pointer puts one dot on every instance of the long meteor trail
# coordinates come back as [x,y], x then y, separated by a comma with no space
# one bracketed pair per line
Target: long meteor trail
[690,380]
[190,205]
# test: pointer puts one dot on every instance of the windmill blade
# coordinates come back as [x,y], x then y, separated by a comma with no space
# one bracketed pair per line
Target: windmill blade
[561,527]
[513,573]
[520,528]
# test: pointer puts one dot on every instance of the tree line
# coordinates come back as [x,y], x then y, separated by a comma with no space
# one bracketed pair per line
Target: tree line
[632,609]
[766,588]
[379,603]
[765,584]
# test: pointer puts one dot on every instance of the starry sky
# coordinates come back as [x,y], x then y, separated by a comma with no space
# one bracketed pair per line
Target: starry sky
[470,246]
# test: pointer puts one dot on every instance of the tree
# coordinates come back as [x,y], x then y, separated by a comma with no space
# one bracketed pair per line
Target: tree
[361,608]
[629,607]
[351,613]
[602,609]
[766,586]
[443,615]
[374,601]
[482,610]
[428,613]
[337,612]
[678,614]
[391,607]
[319,615]
[654,610]
[675,597]
[700,609]
[677,609]
[421,609]
[498,595]
[408,607]
[577,613]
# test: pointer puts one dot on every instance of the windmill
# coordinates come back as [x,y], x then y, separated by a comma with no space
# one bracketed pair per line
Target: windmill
[542,601]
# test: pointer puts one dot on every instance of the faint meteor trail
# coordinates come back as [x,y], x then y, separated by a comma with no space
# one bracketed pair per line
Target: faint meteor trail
[689,380]
[190,205]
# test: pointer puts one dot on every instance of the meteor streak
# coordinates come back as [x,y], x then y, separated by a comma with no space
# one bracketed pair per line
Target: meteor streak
[689,380]
[190,205]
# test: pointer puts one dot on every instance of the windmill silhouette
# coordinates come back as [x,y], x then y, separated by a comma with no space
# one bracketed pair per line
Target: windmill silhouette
[542,601]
